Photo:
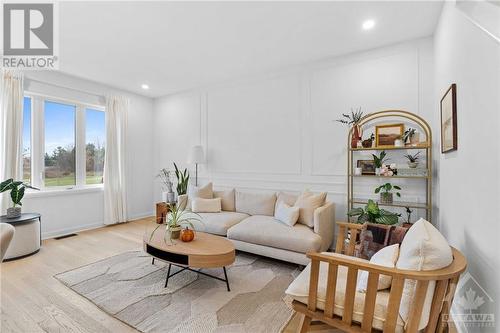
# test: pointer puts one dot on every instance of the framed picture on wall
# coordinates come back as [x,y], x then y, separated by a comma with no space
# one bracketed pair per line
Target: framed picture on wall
[367,167]
[386,135]
[449,120]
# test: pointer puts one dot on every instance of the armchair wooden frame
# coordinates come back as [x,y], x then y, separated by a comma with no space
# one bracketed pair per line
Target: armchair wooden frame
[446,282]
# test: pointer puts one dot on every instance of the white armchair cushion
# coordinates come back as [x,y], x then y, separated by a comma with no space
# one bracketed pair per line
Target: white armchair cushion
[422,249]
[200,205]
[286,214]
[308,202]
[387,257]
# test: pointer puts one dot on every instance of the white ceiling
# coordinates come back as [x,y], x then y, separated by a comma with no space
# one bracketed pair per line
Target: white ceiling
[174,46]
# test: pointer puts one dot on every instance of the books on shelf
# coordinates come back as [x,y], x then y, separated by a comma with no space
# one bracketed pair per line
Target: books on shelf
[414,172]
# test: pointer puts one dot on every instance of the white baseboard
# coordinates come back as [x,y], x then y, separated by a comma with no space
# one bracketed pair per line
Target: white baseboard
[65,231]
[141,215]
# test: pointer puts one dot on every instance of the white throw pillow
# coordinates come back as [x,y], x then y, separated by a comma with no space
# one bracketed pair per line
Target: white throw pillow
[255,203]
[422,249]
[288,198]
[286,214]
[205,192]
[227,198]
[201,205]
[308,202]
[386,257]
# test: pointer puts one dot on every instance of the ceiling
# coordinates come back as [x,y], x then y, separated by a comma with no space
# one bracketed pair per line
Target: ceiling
[174,46]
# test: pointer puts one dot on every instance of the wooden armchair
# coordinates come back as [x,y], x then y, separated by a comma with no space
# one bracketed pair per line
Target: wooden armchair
[313,318]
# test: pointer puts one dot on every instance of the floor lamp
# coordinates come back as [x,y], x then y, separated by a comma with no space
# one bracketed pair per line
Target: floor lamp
[197,157]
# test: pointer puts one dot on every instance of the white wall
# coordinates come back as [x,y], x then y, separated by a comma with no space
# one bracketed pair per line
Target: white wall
[469,179]
[277,131]
[74,210]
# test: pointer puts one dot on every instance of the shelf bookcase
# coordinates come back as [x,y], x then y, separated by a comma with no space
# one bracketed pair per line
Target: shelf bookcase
[412,120]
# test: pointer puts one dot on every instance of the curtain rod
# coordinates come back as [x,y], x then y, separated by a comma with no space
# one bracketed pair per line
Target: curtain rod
[65,87]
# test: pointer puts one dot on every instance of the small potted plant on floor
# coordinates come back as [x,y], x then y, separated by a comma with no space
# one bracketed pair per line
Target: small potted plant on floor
[373,214]
[412,160]
[379,161]
[17,189]
[386,196]
[353,119]
[176,219]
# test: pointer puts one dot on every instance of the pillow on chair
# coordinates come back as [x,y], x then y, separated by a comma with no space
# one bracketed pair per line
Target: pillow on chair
[422,249]
[387,257]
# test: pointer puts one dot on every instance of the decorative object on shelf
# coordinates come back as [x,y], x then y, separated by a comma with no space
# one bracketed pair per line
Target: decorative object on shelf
[164,175]
[368,143]
[421,174]
[386,135]
[449,120]
[372,213]
[358,171]
[410,136]
[196,157]
[187,235]
[176,219]
[399,142]
[408,217]
[182,180]
[379,161]
[388,170]
[386,196]
[412,160]
[17,189]
[353,119]
[367,167]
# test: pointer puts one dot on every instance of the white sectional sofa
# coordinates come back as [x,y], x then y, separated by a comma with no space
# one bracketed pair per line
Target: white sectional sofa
[250,224]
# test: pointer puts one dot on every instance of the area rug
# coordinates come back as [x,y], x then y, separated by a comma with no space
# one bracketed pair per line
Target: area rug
[130,288]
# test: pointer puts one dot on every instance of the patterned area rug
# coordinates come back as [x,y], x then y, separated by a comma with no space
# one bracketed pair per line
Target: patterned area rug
[131,289]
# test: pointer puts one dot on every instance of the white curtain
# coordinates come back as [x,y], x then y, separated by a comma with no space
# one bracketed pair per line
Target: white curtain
[11,129]
[115,196]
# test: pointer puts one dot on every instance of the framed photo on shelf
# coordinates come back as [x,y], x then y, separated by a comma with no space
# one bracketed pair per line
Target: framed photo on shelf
[367,167]
[385,135]
[449,120]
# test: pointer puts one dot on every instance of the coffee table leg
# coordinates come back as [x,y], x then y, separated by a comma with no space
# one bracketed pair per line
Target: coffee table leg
[153,261]
[227,281]
[168,275]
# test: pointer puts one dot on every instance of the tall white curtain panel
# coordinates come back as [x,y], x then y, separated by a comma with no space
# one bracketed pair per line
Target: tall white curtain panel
[115,196]
[11,129]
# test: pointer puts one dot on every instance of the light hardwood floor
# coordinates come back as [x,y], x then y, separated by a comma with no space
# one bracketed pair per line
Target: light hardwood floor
[31,300]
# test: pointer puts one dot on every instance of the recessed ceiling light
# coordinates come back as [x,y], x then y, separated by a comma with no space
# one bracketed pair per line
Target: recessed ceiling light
[144,86]
[368,24]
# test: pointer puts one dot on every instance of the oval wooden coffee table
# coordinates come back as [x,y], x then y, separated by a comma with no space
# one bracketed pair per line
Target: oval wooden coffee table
[205,251]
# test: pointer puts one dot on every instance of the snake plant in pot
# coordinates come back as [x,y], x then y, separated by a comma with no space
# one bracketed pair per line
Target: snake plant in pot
[182,180]
[176,219]
[17,189]
[373,214]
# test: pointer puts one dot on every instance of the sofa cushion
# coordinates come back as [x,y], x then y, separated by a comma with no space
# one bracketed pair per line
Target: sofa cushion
[227,198]
[200,205]
[422,249]
[255,203]
[299,290]
[286,214]
[205,192]
[308,202]
[219,223]
[265,230]
[288,198]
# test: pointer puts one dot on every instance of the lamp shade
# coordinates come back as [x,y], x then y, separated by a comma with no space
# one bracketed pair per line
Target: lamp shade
[196,155]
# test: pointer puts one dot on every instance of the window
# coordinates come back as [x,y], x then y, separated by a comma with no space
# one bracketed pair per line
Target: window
[68,141]
[94,146]
[27,140]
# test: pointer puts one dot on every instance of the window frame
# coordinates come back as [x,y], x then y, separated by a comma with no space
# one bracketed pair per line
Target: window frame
[38,141]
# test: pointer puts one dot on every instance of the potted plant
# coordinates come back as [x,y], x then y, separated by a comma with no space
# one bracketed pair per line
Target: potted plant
[412,160]
[176,219]
[373,214]
[353,120]
[379,161]
[368,143]
[408,217]
[164,176]
[386,196]
[17,189]
[182,180]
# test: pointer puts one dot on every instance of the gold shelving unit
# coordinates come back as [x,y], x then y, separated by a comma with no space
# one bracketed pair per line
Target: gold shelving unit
[426,146]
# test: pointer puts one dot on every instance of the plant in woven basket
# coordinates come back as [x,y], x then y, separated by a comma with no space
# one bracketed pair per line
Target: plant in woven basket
[385,191]
[373,214]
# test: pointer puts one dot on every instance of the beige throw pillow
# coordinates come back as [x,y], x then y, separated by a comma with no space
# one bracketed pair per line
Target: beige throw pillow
[201,205]
[286,214]
[387,257]
[205,192]
[255,203]
[227,198]
[307,203]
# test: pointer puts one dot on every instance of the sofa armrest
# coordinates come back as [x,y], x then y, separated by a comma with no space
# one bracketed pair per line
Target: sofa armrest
[324,224]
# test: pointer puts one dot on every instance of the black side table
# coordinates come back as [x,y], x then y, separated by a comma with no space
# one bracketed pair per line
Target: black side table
[27,237]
